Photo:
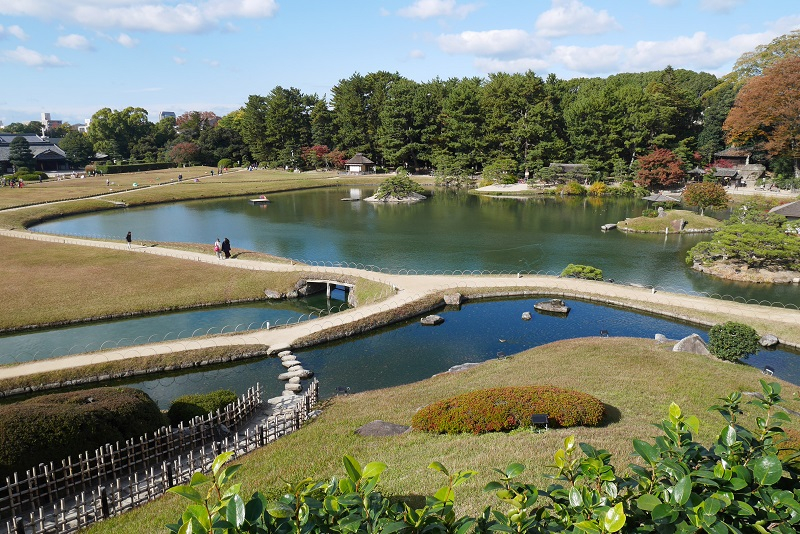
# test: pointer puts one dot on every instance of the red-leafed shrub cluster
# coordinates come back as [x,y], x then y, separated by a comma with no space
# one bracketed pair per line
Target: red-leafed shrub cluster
[503,409]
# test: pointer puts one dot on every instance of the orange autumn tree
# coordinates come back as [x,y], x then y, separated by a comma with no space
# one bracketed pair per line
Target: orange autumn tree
[660,168]
[767,112]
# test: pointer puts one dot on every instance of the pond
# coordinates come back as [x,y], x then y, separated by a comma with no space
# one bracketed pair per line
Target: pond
[88,337]
[407,352]
[449,231]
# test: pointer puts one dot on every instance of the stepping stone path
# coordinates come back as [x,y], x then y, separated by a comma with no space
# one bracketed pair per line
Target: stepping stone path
[293,376]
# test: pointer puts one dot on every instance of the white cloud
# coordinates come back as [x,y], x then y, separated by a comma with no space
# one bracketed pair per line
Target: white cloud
[588,60]
[14,31]
[665,3]
[32,58]
[211,63]
[179,60]
[425,9]
[571,17]
[488,65]
[74,41]
[188,16]
[491,43]
[720,6]
[416,54]
[126,40]
[698,51]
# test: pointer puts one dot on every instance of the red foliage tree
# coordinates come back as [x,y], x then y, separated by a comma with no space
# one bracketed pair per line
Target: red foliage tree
[184,153]
[767,111]
[314,156]
[660,169]
[336,159]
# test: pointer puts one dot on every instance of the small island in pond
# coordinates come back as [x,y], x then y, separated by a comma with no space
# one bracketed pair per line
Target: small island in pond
[398,188]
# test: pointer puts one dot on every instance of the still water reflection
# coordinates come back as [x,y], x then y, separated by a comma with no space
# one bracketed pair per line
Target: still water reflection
[449,231]
[408,352]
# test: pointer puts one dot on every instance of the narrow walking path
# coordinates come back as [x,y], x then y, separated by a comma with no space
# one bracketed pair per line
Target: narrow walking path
[409,289]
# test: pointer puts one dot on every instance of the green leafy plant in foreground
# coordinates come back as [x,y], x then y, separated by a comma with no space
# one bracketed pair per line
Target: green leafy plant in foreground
[738,484]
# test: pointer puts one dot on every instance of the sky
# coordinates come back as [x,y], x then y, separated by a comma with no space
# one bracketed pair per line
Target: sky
[71,58]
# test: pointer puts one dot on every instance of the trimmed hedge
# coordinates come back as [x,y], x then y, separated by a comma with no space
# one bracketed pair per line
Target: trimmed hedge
[187,407]
[52,427]
[504,409]
[134,167]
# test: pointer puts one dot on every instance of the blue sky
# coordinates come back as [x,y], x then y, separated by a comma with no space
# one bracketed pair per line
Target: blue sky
[73,57]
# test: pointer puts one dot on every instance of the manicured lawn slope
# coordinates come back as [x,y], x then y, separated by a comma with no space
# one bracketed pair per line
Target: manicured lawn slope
[636,378]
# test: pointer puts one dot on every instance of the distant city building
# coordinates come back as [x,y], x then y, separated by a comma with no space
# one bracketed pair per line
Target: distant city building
[83,128]
[48,123]
[165,114]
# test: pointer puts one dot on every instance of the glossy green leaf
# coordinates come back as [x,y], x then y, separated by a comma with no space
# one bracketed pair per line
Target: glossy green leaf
[219,461]
[614,518]
[728,436]
[392,527]
[493,486]
[445,494]
[514,470]
[352,467]
[588,526]
[648,502]
[279,510]
[187,492]
[575,498]
[682,490]
[649,453]
[767,470]
[693,423]
[560,458]
[234,511]
[228,473]
[437,466]
[373,469]
[674,412]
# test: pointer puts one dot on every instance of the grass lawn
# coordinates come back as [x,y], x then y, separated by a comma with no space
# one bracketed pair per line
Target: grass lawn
[71,283]
[658,224]
[637,379]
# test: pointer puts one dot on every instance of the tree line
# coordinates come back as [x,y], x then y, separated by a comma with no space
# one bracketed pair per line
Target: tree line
[514,124]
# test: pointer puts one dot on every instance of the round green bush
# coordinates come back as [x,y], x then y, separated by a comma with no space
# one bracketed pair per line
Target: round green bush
[504,409]
[732,341]
[53,427]
[187,407]
[586,272]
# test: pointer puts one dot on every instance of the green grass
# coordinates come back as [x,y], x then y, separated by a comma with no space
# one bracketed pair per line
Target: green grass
[75,283]
[658,224]
[637,379]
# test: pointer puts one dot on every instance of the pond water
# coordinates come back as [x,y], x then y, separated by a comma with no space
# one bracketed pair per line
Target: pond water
[87,337]
[408,352]
[449,231]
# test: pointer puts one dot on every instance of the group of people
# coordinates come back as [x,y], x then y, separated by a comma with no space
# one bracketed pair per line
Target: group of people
[222,248]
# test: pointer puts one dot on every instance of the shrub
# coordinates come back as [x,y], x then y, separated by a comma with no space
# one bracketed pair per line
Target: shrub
[52,427]
[572,188]
[739,483]
[585,272]
[732,341]
[187,407]
[503,409]
[649,212]
[224,163]
[598,189]
[398,186]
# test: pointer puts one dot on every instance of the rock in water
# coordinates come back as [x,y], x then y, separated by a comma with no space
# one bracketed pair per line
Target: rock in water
[432,320]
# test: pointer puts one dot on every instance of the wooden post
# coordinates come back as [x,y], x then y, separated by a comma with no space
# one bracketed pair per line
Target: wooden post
[104,502]
[170,474]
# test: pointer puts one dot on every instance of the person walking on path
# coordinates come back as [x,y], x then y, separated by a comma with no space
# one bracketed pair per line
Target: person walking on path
[218,249]
[128,239]
[226,248]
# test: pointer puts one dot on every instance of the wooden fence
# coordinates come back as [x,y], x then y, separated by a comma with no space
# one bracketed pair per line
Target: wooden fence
[118,477]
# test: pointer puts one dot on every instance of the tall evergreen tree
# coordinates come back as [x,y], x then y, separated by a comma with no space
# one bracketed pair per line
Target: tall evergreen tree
[20,155]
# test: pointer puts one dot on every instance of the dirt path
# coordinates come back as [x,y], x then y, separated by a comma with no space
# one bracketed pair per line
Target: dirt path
[409,289]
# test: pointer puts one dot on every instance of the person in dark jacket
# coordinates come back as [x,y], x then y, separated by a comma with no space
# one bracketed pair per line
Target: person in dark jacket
[226,248]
